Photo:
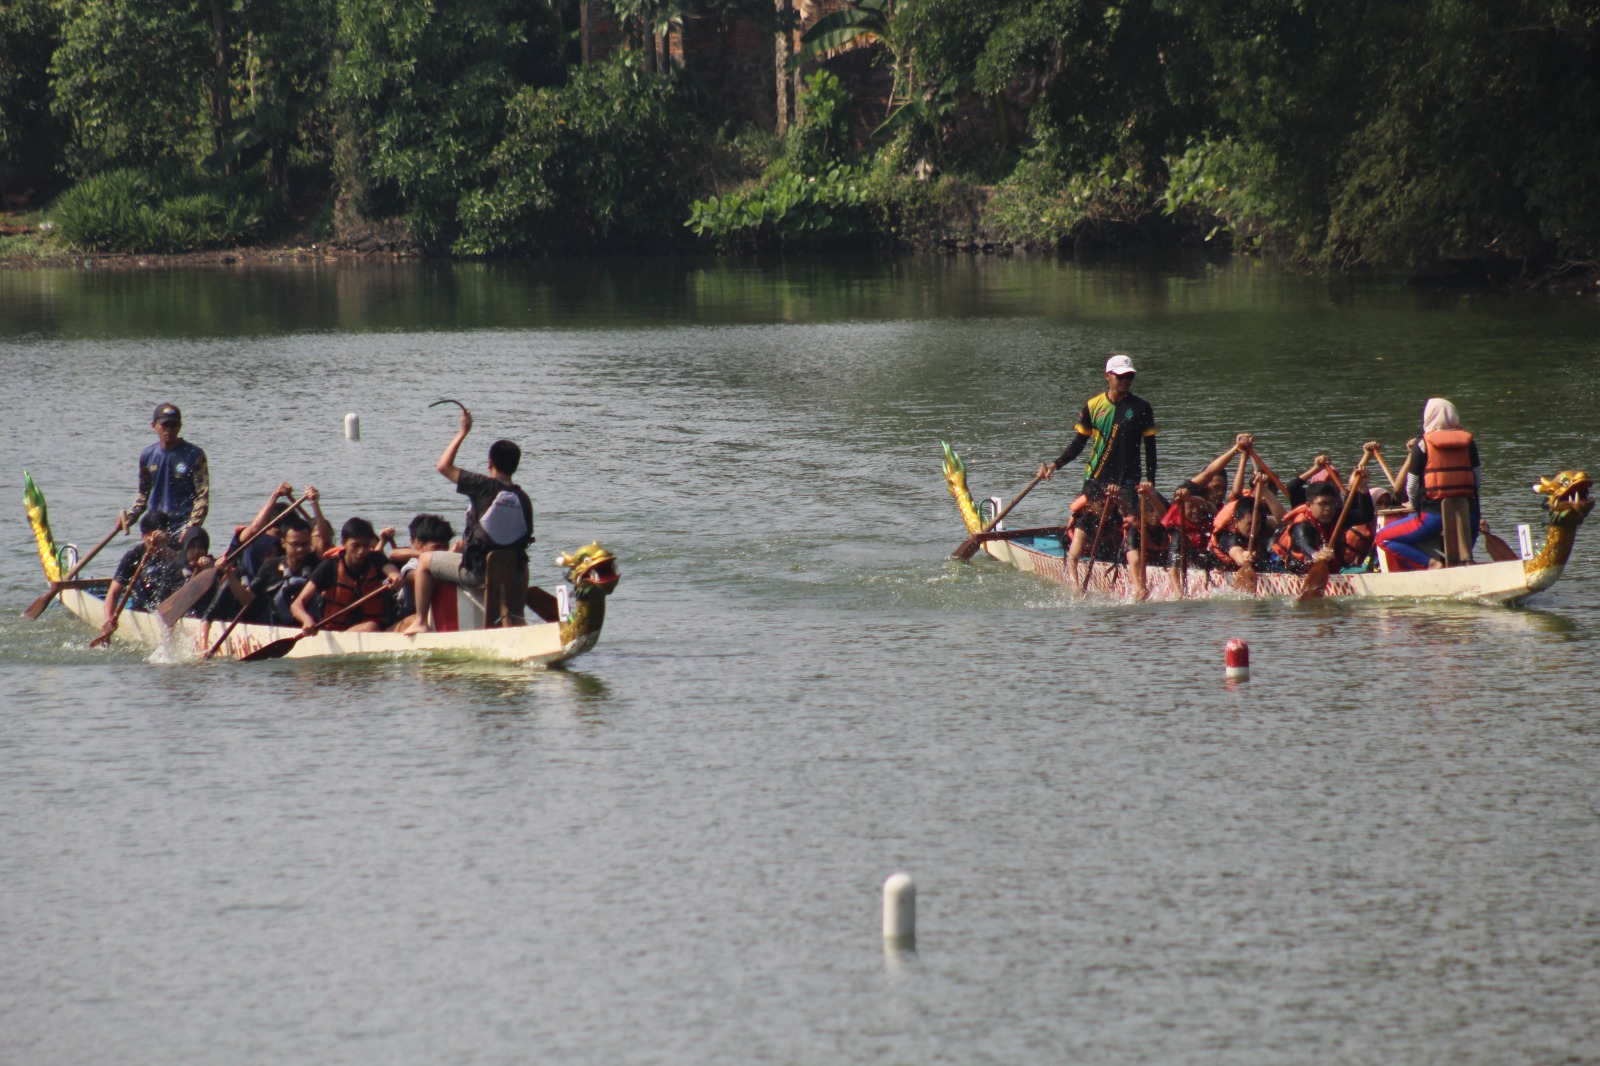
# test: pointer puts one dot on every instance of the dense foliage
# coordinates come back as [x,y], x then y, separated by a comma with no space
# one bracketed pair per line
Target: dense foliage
[1337,131]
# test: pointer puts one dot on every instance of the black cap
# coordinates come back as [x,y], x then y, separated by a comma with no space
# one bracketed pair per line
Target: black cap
[166,413]
[196,535]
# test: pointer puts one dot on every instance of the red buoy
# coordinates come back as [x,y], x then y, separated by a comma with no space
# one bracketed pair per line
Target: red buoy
[1236,660]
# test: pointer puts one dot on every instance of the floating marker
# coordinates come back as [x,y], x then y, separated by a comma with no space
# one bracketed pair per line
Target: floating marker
[900,910]
[352,426]
[1236,660]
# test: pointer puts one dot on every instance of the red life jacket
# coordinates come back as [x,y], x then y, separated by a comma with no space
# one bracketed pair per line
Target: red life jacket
[1448,472]
[347,590]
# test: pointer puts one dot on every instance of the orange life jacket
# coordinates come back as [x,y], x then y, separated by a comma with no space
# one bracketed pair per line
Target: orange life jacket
[347,590]
[1354,545]
[1449,464]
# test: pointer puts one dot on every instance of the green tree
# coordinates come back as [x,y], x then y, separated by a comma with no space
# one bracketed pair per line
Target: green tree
[130,78]
[29,34]
[420,91]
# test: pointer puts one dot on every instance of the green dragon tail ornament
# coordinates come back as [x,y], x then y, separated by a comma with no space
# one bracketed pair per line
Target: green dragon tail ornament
[1569,504]
[955,477]
[592,570]
[39,519]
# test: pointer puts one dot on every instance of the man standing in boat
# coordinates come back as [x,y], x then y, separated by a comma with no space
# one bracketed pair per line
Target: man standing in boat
[1113,426]
[173,477]
[499,517]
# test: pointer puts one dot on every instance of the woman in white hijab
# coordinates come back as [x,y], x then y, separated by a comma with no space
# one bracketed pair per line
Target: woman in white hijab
[1443,465]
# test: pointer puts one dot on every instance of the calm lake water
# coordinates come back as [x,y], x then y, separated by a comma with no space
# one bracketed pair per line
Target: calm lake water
[1385,848]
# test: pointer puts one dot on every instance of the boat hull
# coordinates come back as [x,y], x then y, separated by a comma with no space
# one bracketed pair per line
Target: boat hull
[190,638]
[1503,583]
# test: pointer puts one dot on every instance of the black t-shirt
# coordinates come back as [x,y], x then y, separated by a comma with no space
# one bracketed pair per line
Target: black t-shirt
[482,490]
[275,589]
[161,577]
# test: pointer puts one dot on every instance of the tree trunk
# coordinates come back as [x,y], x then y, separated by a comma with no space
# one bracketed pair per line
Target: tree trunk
[782,49]
[221,95]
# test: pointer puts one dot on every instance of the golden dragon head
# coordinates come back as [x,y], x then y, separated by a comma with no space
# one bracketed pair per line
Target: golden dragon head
[591,569]
[1569,496]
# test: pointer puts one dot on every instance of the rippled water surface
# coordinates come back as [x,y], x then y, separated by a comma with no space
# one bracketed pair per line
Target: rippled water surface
[1383,849]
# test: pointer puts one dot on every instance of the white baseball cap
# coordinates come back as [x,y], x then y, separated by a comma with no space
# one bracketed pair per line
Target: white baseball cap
[1120,364]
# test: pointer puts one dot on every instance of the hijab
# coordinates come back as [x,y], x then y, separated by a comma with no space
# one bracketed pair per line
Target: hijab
[1439,414]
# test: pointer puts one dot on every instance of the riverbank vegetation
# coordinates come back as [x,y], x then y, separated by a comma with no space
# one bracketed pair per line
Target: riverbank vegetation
[1448,134]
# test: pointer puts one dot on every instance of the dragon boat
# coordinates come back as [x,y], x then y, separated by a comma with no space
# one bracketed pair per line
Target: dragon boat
[1042,551]
[563,625]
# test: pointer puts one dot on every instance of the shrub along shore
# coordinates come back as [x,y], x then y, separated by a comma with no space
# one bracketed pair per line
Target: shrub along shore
[1453,142]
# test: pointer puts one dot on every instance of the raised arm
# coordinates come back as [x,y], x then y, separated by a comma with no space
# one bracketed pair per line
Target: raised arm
[447,462]
[321,528]
[268,511]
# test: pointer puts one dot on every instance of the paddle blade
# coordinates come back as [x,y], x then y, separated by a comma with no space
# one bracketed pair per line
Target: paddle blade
[181,602]
[276,650]
[966,549]
[1245,579]
[36,608]
[1316,583]
[1499,550]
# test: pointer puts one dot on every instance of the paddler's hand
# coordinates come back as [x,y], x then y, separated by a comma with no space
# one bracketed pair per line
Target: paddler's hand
[284,491]
[1145,488]
[1244,440]
[386,536]
[466,421]
[1412,443]
[1047,470]
[124,522]
[312,495]
[393,580]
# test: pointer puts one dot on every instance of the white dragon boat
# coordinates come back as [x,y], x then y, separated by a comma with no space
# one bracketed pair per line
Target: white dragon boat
[561,627]
[1042,551]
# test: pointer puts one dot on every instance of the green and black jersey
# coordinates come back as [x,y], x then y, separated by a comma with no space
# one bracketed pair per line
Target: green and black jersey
[1114,433]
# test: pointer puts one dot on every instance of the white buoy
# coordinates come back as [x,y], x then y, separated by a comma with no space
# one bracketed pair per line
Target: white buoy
[352,426]
[900,910]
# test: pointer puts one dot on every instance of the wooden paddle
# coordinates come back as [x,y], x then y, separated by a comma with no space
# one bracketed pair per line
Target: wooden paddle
[1316,582]
[1499,550]
[178,604]
[122,601]
[280,647]
[1394,486]
[236,620]
[1245,579]
[36,608]
[1267,470]
[1099,531]
[1144,534]
[969,547]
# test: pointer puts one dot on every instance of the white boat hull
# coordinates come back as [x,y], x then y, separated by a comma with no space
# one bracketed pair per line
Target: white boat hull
[539,644]
[1505,583]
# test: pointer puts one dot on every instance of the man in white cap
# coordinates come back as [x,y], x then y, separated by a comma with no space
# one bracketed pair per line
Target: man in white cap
[173,476]
[1112,425]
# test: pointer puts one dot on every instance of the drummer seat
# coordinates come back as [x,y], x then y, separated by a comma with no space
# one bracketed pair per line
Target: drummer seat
[1456,513]
[505,589]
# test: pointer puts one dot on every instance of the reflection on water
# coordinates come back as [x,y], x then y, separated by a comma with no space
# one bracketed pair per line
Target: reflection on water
[1379,849]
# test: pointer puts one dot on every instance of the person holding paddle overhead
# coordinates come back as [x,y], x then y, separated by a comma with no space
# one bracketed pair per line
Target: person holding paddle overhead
[173,477]
[499,517]
[1113,426]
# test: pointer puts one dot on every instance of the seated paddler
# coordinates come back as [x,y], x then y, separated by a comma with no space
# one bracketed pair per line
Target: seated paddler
[344,588]
[499,518]
[1306,535]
